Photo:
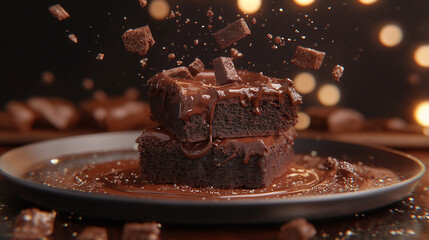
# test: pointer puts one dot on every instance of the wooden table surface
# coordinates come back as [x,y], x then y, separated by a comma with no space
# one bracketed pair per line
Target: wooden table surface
[407,219]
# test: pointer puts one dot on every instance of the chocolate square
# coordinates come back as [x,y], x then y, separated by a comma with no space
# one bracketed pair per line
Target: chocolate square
[58,12]
[138,40]
[33,224]
[297,229]
[179,72]
[308,58]
[232,33]
[225,71]
[93,233]
[141,231]
[196,67]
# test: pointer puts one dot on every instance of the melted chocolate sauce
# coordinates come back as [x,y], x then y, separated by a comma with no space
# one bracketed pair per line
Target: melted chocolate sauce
[307,176]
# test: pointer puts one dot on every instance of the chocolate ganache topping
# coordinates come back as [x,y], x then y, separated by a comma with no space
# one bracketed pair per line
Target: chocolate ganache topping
[201,94]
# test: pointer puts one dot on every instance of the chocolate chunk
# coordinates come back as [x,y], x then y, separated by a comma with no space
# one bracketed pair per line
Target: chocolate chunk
[196,67]
[62,114]
[308,58]
[345,120]
[33,224]
[236,54]
[58,12]
[143,3]
[93,233]
[141,231]
[22,115]
[298,229]
[232,33]
[179,72]
[138,40]
[337,72]
[225,71]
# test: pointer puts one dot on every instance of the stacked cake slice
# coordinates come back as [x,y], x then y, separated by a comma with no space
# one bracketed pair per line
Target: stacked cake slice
[238,134]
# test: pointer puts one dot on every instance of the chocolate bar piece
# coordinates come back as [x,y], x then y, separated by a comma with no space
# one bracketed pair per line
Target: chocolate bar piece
[232,33]
[138,40]
[229,163]
[61,113]
[196,67]
[33,224]
[308,58]
[196,109]
[225,71]
[93,233]
[297,229]
[141,231]
[23,116]
[58,12]
[179,72]
[117,113]
[337,72]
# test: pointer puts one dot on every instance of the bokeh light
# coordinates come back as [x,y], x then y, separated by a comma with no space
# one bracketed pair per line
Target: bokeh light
[303,121]
[421,113]
[159,9]
[304,82]
[368,2]
[329,95]
[249,6]
[421,55]
[304,2]
[390,35]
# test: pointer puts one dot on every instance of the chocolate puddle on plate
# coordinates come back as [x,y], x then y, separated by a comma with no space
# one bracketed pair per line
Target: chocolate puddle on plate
[118,173]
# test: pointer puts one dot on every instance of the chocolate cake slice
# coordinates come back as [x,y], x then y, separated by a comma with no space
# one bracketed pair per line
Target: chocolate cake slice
[196,109]
[229,163]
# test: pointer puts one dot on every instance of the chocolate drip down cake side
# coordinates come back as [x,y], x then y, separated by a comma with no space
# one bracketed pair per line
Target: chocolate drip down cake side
[221,128]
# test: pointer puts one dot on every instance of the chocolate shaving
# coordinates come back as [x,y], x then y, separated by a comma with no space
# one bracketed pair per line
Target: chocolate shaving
[58,12]
[138,40]
[308,58]
[232,33]
[179,72]
[337,72]
[225,71]
[196,67]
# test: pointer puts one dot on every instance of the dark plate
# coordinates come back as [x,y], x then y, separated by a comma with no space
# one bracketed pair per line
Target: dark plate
[15,163]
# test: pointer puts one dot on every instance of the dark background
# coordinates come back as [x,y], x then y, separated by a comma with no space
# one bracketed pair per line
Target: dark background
[378,81]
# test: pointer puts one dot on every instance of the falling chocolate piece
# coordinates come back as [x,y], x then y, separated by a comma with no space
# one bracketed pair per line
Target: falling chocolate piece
[225,71]
[93,233]
[33,224]
[58,12]
[337,72]
[232,33]
[141,231]
[138,40]
[23,116]
[143,3]
[72,37]
[179,72]
[297,229]
[308,58]
[196,67]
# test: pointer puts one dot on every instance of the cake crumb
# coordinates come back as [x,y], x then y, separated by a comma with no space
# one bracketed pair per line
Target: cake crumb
[235,54]
[58,12]
[72,37]
[210,13]
[100,56]
[143,3]
[337,72]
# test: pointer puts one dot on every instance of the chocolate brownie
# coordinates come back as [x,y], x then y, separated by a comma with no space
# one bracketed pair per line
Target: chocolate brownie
[195,110]
[232,33]
[225,71]
[229,163]
[308,58]
[138,40]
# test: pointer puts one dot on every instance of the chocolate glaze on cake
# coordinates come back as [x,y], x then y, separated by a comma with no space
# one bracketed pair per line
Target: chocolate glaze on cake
[229,163]
[196,110]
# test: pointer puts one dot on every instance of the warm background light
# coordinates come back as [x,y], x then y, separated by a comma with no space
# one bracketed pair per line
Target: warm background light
[329,95]
[159,9]
[304,2]
[368,2]
[304,82]
[390,35]
[421,55]
[303,121]
[249,6]
[421,113]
